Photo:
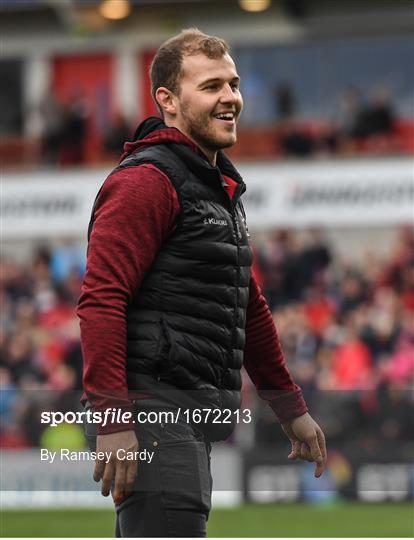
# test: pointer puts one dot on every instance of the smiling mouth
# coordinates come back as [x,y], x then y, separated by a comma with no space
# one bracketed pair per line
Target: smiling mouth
[228,117]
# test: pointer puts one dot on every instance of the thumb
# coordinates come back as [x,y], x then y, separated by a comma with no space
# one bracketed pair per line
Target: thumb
[295,452]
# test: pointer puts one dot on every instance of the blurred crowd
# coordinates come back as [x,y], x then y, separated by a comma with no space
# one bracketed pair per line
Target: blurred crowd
[68,133]
[65,130]
[355,125]
[40,356]
[347,332]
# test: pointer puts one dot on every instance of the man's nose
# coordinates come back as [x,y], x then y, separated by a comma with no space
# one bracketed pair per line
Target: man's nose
[228,95]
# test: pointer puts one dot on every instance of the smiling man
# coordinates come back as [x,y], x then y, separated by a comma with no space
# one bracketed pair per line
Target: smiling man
[207,103]
[170,311]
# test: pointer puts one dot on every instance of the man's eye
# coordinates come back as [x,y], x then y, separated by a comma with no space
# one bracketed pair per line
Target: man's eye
[211,87]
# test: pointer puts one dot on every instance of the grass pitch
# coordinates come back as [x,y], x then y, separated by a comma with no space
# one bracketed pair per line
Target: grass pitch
[348,519]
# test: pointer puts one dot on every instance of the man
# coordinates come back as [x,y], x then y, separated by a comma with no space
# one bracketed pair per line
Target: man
[169,309]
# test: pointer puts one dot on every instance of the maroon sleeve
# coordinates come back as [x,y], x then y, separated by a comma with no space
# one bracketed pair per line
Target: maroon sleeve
[136,211]
[264,360]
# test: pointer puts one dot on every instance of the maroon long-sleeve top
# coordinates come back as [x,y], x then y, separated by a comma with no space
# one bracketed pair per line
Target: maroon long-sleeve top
[136,212]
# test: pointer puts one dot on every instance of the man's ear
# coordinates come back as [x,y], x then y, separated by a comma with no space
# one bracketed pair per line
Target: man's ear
[165,99]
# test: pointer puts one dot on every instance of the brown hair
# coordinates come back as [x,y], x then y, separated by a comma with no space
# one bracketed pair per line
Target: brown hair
[166,66]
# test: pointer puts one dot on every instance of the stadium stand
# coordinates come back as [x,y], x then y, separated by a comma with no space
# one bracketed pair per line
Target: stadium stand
[343,327]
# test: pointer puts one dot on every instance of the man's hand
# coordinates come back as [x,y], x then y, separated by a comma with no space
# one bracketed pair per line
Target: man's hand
[308,441]
[122,471]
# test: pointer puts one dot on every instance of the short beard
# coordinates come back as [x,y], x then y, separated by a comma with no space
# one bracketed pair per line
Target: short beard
[207,141]
[197,132]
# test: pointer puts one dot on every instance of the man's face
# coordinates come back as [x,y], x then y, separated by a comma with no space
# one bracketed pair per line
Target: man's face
[209,102]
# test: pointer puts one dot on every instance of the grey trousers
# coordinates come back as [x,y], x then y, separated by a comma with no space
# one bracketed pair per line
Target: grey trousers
[172,494]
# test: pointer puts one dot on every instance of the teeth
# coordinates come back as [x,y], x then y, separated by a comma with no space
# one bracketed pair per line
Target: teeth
[225,116]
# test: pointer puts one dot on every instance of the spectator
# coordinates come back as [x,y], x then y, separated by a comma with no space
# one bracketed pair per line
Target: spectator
[67,258]
[352,363]
[314,258]
[285,101]
[379,114]
[75,122]
[276,260]
[115,138]
[353,293]
[51,126]
[295,141]
[348,114]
